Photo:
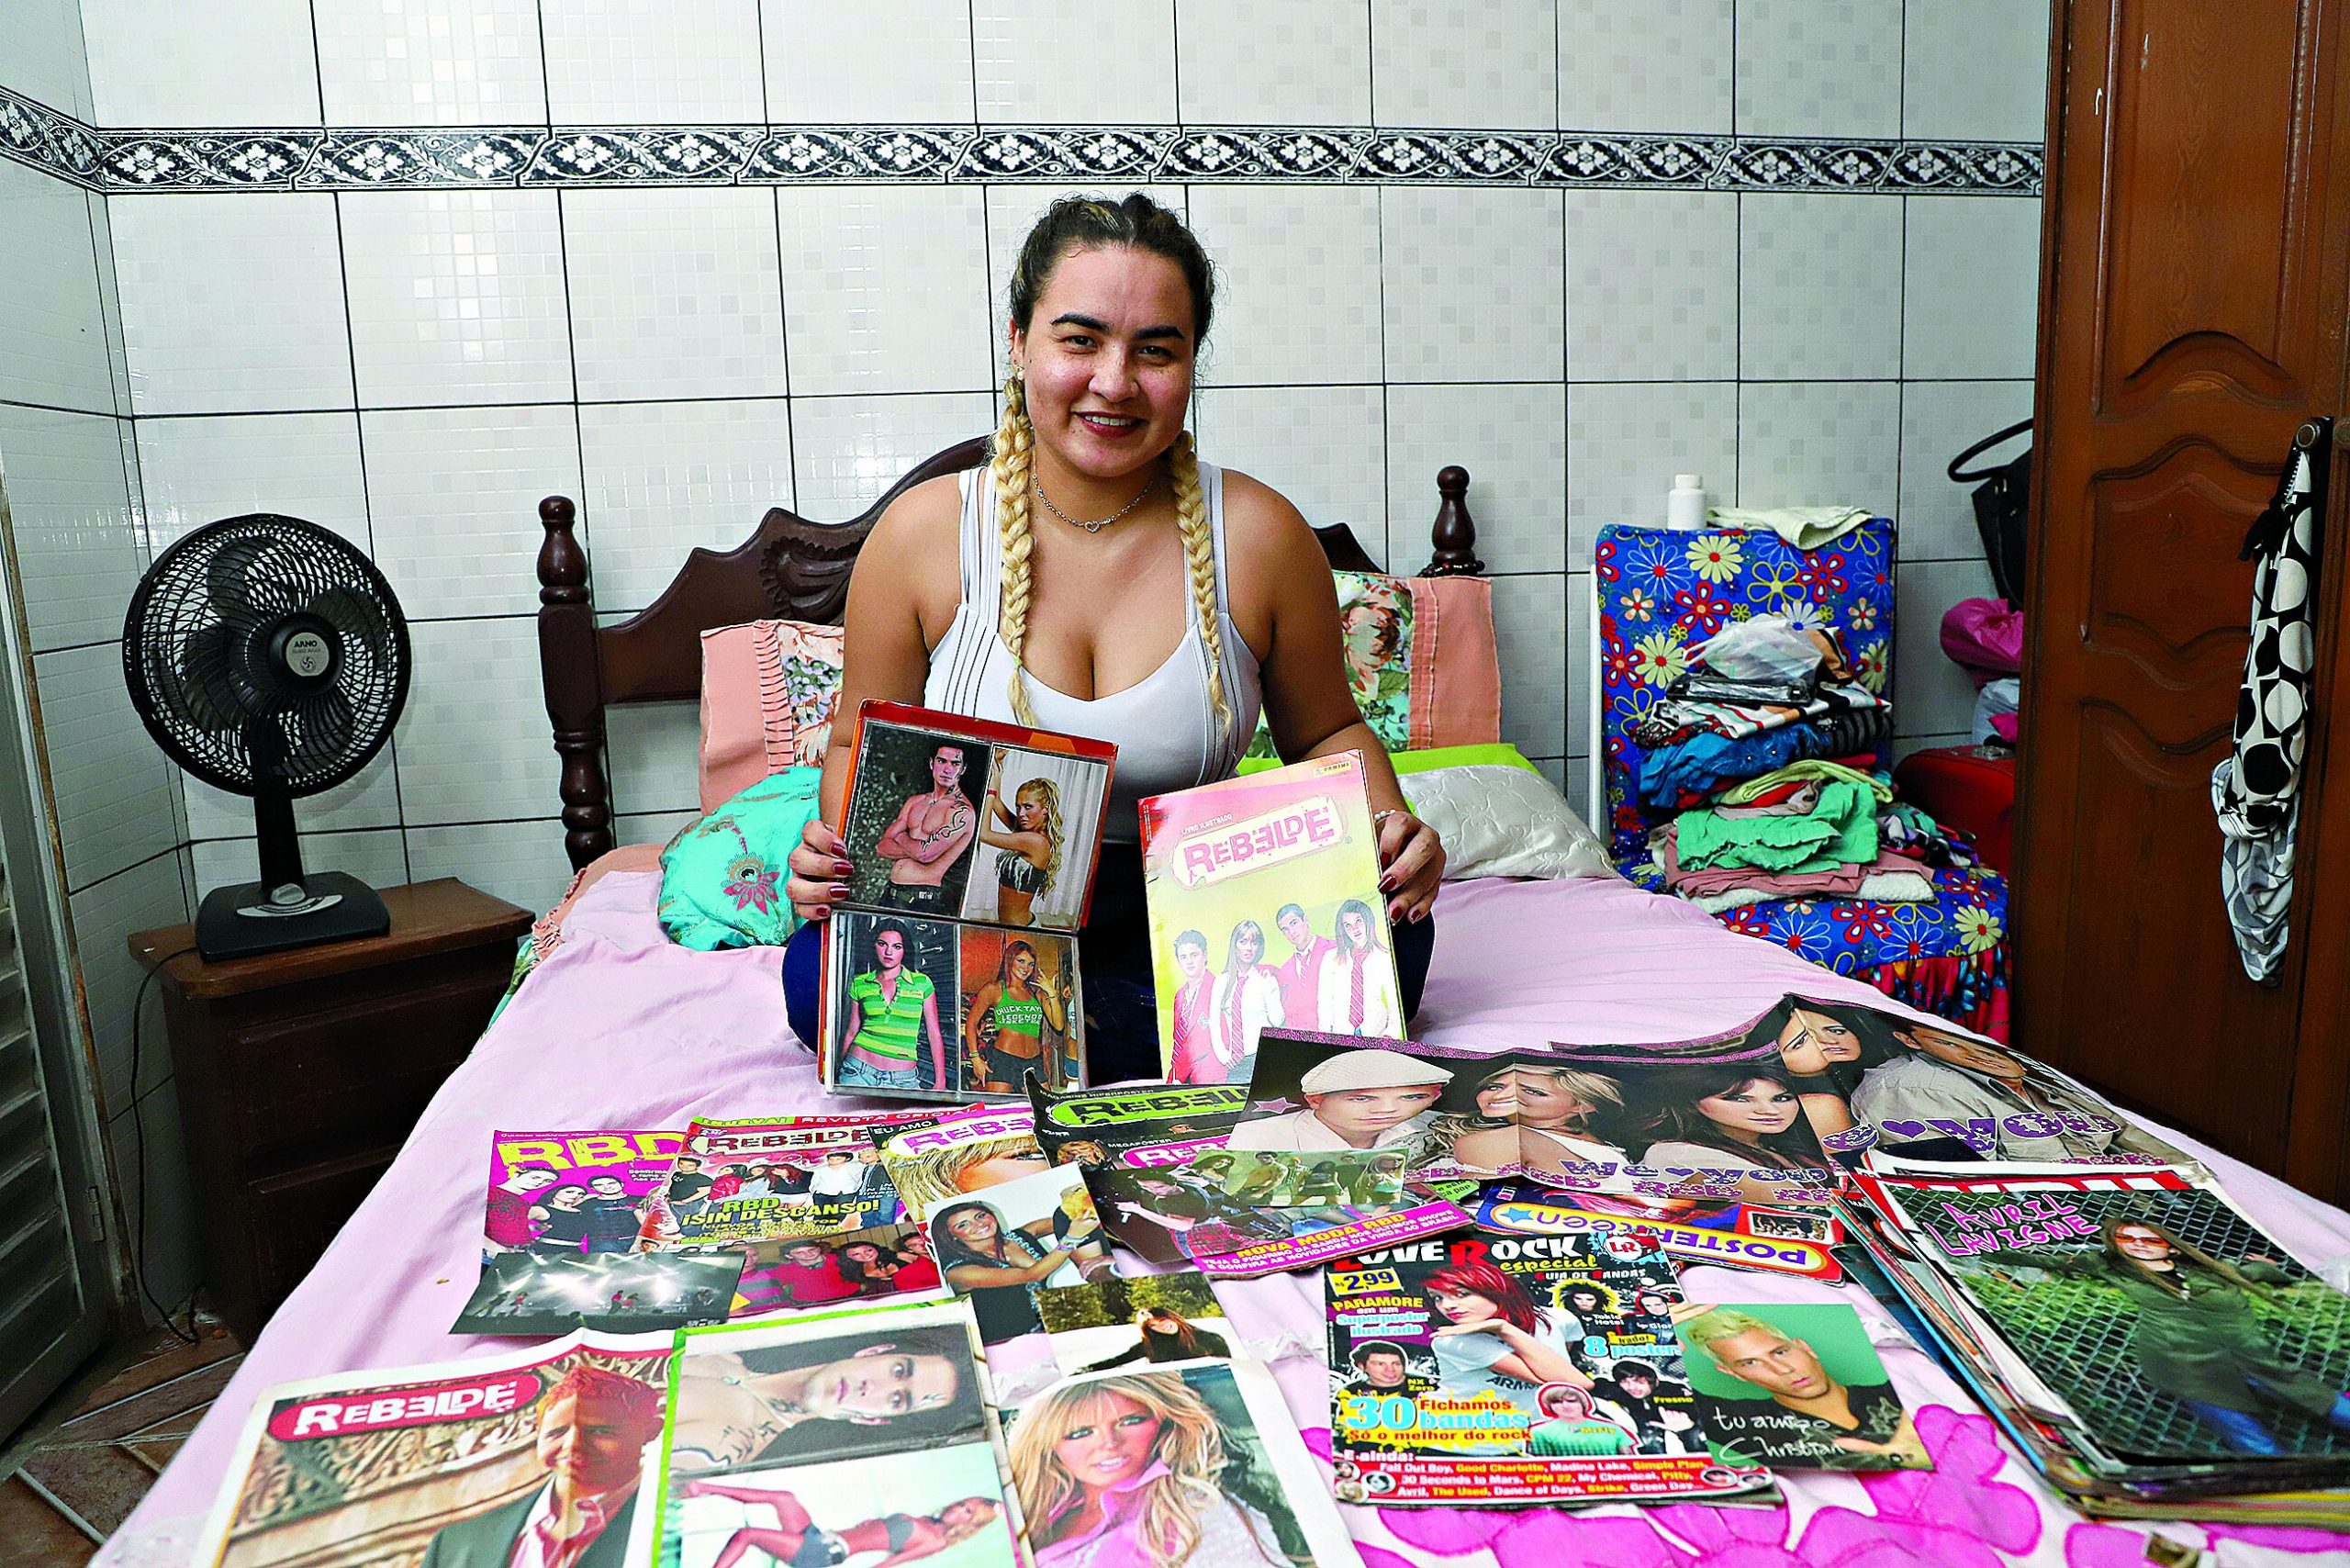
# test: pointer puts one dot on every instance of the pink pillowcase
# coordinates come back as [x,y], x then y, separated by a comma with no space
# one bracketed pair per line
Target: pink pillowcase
[1456,667]
[768,688]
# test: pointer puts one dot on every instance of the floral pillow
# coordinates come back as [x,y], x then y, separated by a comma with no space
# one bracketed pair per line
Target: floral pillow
[768,689]
[722,879]
[1389,636]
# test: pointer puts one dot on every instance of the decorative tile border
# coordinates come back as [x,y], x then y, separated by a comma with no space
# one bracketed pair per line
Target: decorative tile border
[125,161]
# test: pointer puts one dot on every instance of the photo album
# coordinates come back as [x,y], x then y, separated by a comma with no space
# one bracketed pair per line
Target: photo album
[951,972]
[1265,913]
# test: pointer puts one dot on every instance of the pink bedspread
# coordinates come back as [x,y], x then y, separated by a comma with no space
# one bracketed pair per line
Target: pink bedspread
[616,1028]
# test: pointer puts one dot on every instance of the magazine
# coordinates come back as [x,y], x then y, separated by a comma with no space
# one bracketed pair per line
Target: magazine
[1266,912]
[1329,1104]
[951,972]
[933,1159]
[2163,1321]
[1140,1322]
[767,1178]
[1207,1447]
[449,1463]
[568,1225]
[799,1272]
[1796,1387]
[822,1438]
[1000,1246]
[1524,1210]
[1514,1371]
[1145,1124]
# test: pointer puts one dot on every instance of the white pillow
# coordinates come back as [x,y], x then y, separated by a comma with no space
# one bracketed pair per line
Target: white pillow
[1499,820]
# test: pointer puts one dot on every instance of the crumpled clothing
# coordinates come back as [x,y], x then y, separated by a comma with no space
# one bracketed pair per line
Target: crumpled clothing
[1816,769]
[1675,720]
[1716,888]
[1805,528]
[1796,800]
[1769,648]
[1905,885]
[1902,829]
[1688,772]
[1841,829]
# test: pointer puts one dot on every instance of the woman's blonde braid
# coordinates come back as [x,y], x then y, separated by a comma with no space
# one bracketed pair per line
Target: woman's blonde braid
[1015,448]
[1199,557]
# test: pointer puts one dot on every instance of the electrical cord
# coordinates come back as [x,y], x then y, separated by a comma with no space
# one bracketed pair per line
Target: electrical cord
[139,1133]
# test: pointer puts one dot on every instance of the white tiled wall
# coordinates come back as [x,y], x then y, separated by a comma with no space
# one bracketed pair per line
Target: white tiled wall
[416,369]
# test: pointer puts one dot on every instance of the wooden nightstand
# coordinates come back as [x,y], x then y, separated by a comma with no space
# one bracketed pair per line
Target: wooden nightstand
[301,1073]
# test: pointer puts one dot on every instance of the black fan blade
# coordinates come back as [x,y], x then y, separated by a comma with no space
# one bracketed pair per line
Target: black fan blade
[246,581]
[206,679]
[358,615]
[318,732]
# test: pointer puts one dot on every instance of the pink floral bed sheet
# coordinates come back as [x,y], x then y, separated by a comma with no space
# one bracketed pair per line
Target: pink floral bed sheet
[616,1027]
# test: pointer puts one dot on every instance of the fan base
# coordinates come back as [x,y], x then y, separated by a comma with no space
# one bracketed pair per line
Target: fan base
[352,909]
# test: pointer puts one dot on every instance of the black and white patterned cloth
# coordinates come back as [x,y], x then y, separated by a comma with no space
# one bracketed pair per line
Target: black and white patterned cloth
[2256,790]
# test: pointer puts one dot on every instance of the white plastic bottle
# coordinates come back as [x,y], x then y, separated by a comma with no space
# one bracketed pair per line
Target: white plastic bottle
[1685,505]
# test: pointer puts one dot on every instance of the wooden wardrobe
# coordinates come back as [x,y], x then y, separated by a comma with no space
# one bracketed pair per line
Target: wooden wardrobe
[2195,279]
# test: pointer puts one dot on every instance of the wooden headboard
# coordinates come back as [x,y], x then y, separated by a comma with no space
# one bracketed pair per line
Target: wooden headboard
[789,568]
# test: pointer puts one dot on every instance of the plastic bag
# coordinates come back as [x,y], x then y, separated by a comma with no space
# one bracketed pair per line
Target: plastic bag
[1766,648]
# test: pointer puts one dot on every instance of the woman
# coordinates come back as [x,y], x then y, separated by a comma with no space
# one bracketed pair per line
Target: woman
[891,1009]
[817,1399]
[1005,1032]
[1738,1116]
[790,1183]
[1029,857]
[797,1539]
[1245,1002]
[511,1224]
[1000,1266]
[917,1269]
[2195,1336]
[865,1265]
[1357,980]
[1165,1335]
[1098,580]
[929,1178]
[1824,1051]
[1493,1338]
[1133,1473]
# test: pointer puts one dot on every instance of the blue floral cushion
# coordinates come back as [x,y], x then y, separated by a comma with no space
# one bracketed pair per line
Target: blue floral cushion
[721,877]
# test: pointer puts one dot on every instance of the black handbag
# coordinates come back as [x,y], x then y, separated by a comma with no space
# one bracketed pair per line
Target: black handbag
[2001,500]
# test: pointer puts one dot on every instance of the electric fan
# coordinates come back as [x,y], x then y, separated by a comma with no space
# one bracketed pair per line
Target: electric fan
[268,657]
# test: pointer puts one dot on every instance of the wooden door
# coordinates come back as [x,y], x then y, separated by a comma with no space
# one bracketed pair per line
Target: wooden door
[2192,315]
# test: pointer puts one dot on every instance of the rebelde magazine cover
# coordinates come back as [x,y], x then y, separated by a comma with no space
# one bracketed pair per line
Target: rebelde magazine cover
[445,1463]
[1265,913]
[951,972]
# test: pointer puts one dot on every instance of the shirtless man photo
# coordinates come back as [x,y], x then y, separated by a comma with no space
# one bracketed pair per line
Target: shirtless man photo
[927,837]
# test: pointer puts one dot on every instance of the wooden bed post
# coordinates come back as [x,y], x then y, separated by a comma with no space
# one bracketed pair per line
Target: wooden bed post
[572,672]
[1453,535]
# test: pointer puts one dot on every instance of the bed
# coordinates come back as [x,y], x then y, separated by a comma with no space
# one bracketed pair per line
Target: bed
[616,1026]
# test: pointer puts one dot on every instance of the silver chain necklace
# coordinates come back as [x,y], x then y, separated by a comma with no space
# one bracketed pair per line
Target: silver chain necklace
[1080,522]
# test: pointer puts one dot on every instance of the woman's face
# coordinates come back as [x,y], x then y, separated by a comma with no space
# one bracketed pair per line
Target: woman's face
[533,1180]
[1024,966]
[1758,1106]
[1545,1103]
[1107,1442]
[1464,1307]
[2137,1241]
[1497,1096]
[1249,942]
[890,949]
[1357,928]
[1108,356]
[1161,1323]
[974,1228]
[863,1252]
[1031,810]
[999,1168]
[1809,1041]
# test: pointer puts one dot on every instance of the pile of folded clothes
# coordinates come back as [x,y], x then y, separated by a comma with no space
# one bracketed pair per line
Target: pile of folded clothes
[1747,750]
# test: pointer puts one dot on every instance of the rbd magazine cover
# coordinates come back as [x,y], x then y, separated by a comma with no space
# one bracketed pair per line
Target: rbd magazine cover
[446,1464]
[570,1235]
[1156,1124]
[2171,1326]
[952,971]
[1202,1455]
[762,1179]
[933,1160]
[1266,912]
[822,1440]
[1509,1371]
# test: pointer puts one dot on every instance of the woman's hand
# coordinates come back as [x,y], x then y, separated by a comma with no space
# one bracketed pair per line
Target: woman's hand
[1412,859]
[820,871]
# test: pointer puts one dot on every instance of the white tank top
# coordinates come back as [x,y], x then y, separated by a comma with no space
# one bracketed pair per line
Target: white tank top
[1162,725]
